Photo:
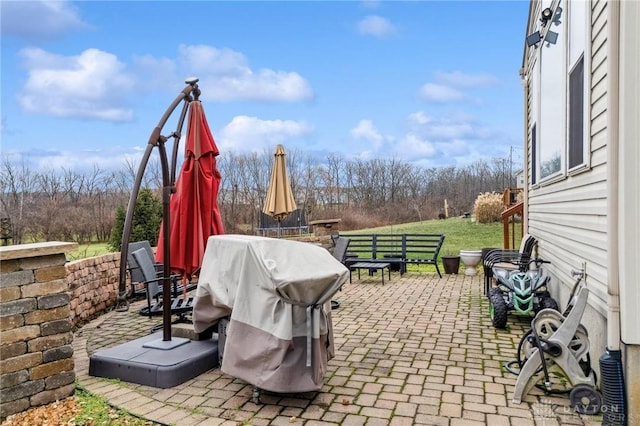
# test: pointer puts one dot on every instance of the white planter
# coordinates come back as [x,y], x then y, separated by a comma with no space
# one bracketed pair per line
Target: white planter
[470,258]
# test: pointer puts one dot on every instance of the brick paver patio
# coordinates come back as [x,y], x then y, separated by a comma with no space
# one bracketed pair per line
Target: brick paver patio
[419,350]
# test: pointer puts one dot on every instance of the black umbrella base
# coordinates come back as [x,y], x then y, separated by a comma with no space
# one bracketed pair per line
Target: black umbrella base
[153,362]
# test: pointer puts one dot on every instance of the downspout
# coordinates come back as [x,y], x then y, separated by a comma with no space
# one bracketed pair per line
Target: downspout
[524,79]
[613,72]
[614,405]
[525,145]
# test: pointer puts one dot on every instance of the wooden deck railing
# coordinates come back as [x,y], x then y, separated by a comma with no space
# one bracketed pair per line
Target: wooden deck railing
[508,218]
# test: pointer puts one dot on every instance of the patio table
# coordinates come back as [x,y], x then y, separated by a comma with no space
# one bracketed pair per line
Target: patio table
[371,266]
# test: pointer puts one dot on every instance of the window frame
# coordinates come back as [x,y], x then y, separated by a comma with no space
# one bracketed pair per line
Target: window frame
[572,128]
[572,45]
[580,38]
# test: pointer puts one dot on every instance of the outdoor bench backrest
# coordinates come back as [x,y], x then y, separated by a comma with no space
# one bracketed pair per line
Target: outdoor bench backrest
[422,248]
[413,248]
[376,246]
[361,245]
[389,245]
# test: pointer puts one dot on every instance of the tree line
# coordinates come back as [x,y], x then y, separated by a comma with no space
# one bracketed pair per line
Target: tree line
[72,205]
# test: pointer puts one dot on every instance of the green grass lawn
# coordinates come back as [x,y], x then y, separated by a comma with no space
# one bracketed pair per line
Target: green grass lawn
[89,250]
[460,234]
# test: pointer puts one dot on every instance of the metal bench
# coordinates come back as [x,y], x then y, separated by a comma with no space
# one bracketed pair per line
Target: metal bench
[398,250]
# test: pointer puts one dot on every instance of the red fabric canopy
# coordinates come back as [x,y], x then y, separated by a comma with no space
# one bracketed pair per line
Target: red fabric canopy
[194,213]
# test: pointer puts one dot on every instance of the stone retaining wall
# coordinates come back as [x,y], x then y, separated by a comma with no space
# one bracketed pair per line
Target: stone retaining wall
[36,355]
[93,286]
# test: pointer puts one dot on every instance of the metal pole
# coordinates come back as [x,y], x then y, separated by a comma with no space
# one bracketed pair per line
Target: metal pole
[156,140]
[511,167]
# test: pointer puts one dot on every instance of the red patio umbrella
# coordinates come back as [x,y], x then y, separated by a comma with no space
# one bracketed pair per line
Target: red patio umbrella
[193,207]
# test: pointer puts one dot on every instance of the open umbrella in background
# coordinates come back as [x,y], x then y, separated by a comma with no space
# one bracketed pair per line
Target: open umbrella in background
[194,211]
[279,201]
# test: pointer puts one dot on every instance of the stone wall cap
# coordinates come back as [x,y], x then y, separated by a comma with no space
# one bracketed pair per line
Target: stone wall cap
[321,221]
[21,251]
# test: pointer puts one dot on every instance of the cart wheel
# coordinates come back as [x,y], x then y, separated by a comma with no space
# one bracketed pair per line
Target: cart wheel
[255,396]
[585,399]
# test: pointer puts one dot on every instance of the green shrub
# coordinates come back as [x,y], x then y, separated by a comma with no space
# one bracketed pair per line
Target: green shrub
[488,207]
[147,216]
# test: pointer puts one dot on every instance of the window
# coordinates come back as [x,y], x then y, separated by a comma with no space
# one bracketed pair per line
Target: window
[576,115]
[551,145]
[561,72]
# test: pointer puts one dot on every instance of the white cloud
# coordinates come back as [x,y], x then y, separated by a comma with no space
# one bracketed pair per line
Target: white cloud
[109,158]
[156,73]
[91,85]
[460,79]
[375,26]
[229,77]
[454,148]
[417,147]
[440,93]
[447,129]
[245,133]
[418,118]
[97,85]
[40,20]
[367,131]
[432,141]
[447,85]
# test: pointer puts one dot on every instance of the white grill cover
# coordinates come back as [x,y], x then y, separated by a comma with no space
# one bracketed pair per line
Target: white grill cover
[278,294]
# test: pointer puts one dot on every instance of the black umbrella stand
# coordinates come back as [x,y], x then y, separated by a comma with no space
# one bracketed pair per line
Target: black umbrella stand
[151,360]
[190,93]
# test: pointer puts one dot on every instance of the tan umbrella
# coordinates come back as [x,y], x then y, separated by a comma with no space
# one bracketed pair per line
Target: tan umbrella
[279,202]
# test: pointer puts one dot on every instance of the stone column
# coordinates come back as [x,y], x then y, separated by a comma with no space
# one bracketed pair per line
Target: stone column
[36,352]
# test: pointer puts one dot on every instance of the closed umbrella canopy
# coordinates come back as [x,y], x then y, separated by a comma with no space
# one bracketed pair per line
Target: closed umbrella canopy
[194,211]
[279,201]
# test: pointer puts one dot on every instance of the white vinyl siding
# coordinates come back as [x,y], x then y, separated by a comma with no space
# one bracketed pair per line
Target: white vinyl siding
[569,216]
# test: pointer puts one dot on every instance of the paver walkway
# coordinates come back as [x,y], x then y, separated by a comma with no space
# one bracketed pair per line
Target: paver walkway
[419,350]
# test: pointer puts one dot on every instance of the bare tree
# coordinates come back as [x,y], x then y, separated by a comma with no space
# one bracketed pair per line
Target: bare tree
[81,205]
[16,182]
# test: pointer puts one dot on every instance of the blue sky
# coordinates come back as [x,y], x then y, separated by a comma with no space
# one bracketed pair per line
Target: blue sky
[431,82]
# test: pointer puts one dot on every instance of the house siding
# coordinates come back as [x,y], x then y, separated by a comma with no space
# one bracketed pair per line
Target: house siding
[570,214]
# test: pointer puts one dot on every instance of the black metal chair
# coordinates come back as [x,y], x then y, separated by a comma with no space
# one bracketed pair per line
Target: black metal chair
[135,274]
[137,277]
[509,259]
[340,246]
[153,286]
